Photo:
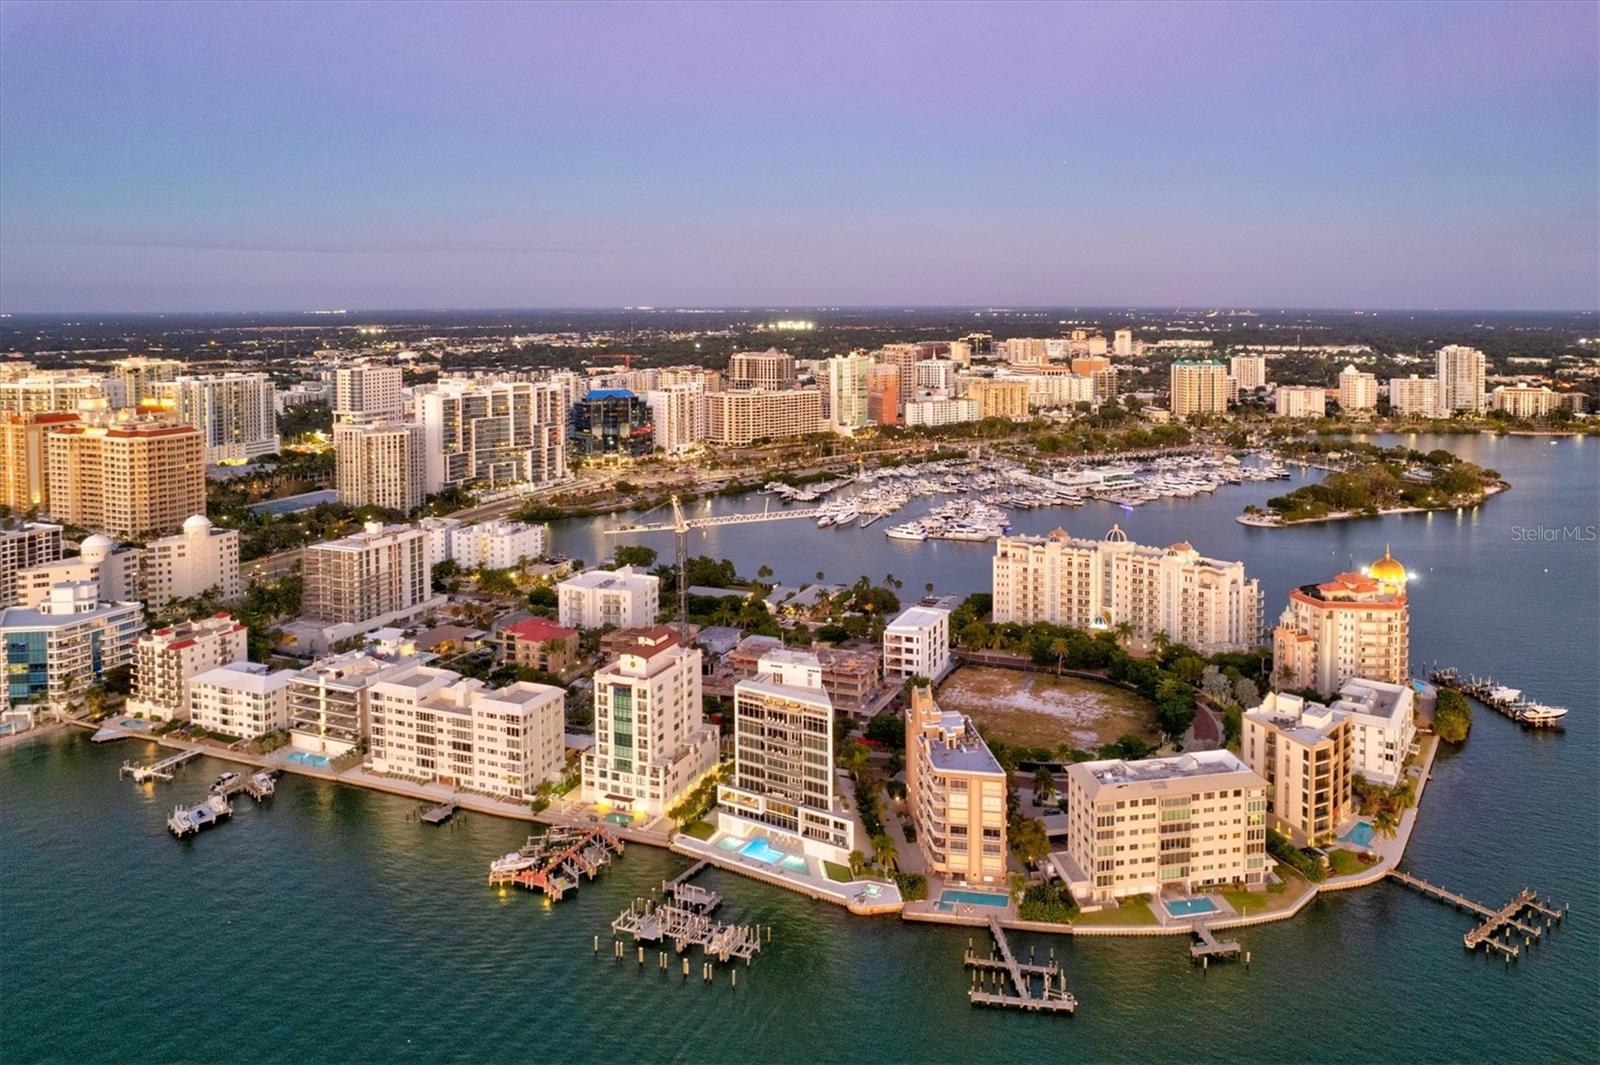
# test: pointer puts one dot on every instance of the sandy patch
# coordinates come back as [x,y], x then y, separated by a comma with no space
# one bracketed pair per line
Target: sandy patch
[1043,710]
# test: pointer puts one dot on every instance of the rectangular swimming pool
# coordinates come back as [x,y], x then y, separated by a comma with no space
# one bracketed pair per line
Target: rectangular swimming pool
[1360,834]
[950,898]
[762,851]
[1189,907]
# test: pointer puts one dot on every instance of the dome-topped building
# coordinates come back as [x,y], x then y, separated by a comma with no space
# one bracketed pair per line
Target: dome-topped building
[1388,570]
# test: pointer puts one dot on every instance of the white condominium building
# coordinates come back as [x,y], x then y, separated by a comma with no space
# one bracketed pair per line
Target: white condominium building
[115,570]
[1300,401]
[140,375]
[679,414]
[235,413]
[652,745]
[29,544]
[1122,343]
[196,560]
[1191,821]
[1304,750]
[1024,351]
[367,392]
[1414,395]
[495,544]
[1460,373]
[1248,371]
[627,598]
[1523,401]
[64,390]
[1357,390]
[436,725]
[492,430]
[957,794]
[783,783]
[241,699]
[1095,584]
[847,392]
[932,409]
[917,644]
[1383,726]
[56,650]
[167,660]
[379,464]
[1198,387]
[329,700]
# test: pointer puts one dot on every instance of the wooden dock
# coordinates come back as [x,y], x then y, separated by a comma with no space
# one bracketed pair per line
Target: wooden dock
[554,863]
[438,815]
[161,769]
[1207,946]
[1512,919]
[1052,996]
[684,917]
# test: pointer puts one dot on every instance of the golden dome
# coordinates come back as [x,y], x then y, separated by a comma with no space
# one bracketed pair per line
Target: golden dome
[1387,570]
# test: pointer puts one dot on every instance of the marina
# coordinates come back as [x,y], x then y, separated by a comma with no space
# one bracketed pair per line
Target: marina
[217,806]
[1501,699]
[684,916]
[555,862]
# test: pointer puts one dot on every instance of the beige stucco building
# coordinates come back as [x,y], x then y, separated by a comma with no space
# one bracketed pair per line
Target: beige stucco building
[739,416]
[126,476]
[957,794]
[1305,752]
[1355,625]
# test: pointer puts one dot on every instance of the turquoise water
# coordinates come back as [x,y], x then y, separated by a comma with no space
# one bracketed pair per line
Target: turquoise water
[795,864]
[1189,907]
[329,925]
[1360,834]
[952,897]
[620,819]
[307,758]
[762,851]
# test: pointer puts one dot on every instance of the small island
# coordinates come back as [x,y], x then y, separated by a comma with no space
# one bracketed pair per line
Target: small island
[1369,481]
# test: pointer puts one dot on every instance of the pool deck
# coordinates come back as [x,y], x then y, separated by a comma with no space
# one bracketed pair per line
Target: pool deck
[851,895]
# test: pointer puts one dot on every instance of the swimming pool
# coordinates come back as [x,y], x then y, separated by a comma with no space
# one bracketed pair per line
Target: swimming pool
[620,819]
[950,898]
[762,851]
[1189,907]
[1360,834]
[307,758]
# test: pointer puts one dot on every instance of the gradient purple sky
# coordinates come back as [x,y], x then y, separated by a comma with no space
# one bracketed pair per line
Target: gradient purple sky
[162,157]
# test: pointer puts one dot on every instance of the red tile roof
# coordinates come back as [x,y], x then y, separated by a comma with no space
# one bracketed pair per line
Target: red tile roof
[538,630]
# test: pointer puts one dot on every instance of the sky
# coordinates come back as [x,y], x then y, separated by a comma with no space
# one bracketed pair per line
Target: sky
[230,157]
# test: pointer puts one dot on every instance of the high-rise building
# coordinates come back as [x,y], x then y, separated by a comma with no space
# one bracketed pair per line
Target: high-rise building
[1305,752]
[200,558]
[917,644]
[904,358]
[140,375]
[23,482]
[367,578]
[1460,373]
[999,397]
[495,544]
[626,598]
[1198,387]
[1098,584]
[936,408]
[783,779]
[23,546]
[1134,828]
[235,413]
[1357,390]
[1249,372]
[127,476]
[937,375]
[612,421]
[1122,344]
[432,724]
[56,650]
[1025,352]
[961,352]
[1300,401]
[57,390]
[772,370]
[679,415]
[167,660]
[367,392]
[1356,625]
[957,794]
[380,464]
[1414,395]
[883,394]
[492,431]
[246,700]
[651,742]
[329,701]
[847,392]
[739,418]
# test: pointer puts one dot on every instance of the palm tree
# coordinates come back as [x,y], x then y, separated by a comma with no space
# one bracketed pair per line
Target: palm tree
[1385,823]
[883,850]
[1124,632]
[1060,648]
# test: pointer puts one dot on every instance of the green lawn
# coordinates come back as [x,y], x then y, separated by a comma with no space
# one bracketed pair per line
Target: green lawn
[701,830]
[1346,862]
[1131,911]
[837,872]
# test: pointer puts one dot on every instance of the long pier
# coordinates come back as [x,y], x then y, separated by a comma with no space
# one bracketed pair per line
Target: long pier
[1511,918]
[1053,997]
[161,769]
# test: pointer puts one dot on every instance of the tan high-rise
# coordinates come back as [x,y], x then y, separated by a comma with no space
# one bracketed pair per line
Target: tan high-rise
[23,485]
[1199,388]
[1356,625]
[129,477]
[738,418]
[957,793]
[999,397]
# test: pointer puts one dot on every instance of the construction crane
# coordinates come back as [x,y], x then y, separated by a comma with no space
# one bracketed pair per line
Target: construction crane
[681,526]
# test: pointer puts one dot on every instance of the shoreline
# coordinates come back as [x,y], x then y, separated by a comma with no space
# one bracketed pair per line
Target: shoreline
[1266,521]
[357,777]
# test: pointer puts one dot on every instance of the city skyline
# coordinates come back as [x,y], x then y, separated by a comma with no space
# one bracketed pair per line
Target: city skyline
[256,158]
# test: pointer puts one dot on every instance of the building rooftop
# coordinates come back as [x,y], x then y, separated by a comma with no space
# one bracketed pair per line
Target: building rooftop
[956,747]
[538,630]
[1298,719]
[252,677]
[1374,698]
[1118,772]
[624,577]
[918,617]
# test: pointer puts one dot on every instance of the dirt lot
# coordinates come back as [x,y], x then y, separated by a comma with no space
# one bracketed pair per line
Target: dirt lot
[1041,710]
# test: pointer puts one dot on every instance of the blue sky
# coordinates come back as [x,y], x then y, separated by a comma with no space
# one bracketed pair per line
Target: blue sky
[243,157]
